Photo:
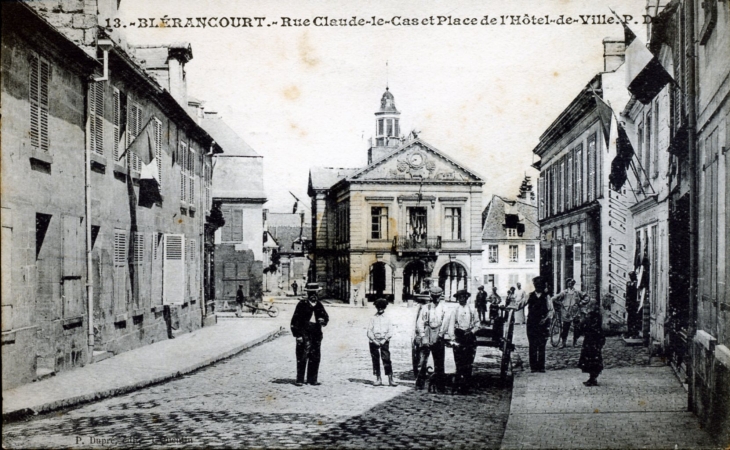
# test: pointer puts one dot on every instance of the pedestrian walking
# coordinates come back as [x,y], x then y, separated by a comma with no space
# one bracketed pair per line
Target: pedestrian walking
[520,298]
[591,357]
[306,326]
[295,287]
[540,311]
[569,301]
[632,307]
[510,299]
[379,333]
[460,332]
[240,299]
[430,329]
[481,304]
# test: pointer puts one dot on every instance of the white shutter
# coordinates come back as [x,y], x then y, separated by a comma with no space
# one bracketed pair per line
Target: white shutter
[158,150]
[173,277]
[45,79]
[116,119]
[96,114]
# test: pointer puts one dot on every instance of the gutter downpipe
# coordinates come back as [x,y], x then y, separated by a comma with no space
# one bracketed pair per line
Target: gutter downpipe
[693,191]
[87,200]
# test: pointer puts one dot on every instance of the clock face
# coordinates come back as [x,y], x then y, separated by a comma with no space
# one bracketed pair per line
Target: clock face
[416,159]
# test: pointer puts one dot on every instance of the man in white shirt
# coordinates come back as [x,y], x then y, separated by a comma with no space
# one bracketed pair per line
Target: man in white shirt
[379,333]
[430,329]
[462,324]
[520,298]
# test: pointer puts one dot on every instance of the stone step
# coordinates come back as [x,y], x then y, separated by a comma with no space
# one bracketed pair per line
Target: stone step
[100,355]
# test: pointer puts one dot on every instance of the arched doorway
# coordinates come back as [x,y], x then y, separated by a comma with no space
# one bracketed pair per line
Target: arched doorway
[380,283]
[414,276]
[453,277]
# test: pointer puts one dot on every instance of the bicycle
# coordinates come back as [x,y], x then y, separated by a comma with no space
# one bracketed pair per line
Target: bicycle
[271,310]
[556,326]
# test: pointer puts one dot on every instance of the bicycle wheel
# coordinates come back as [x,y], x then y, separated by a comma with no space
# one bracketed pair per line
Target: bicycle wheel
[555,329]
[273,311]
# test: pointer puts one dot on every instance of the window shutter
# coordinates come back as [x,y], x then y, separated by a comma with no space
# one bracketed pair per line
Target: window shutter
[183,171]
[158,149]
[173,285]
[45,79]
[34,105]
[96,114]
[120,248]
[138,257]
[237,225]
[541,198]
[226,230]
[116,116]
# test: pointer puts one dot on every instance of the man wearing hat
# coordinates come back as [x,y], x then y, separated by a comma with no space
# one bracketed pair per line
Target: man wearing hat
[481,304]
[569,301]
[306,326]
[379,333]
[460,331]
[430,329]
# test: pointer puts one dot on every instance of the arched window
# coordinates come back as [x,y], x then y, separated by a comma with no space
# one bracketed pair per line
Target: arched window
[453,277]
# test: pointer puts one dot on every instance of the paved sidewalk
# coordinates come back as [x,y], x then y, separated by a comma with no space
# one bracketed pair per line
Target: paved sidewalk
[138,368]
[634,407]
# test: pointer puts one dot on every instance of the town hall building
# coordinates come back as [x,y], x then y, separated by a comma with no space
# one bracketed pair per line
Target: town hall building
[412,214]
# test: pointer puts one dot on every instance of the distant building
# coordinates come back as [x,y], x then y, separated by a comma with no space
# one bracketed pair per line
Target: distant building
[411,213]
[238,190]
[292,235]
[511,244]
[88,273]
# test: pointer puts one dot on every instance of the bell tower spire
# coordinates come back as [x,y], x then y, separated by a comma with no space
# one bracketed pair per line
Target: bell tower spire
[387,128]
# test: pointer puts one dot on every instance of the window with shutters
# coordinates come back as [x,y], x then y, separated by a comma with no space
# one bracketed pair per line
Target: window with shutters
[40,76]
[579,174]
[96,116]
[191,175]
[378,222]
[569,181]
[134,127]
[232,231]
[591,170]
[120,248]
[138,253]
[157,133]
[541,198]
[183,152]
[648,148]
[118,121]
[561,187]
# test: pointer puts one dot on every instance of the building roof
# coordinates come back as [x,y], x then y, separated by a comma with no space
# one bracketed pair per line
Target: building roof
[226,138]
[283,219]
[287,236]
[502,212]
[323,178]
[387,102]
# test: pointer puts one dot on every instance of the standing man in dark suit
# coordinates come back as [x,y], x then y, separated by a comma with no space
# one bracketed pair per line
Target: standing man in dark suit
[306,326]
[540,311]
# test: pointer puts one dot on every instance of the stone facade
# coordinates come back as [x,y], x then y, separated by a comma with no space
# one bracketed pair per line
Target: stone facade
[408,216]
[53,111]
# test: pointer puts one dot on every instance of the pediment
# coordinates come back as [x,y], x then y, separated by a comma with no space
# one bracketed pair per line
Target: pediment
[416,160]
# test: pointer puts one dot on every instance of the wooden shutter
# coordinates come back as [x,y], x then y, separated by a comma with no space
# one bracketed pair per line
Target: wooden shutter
[183,171]
[173,289]
[120,248]
[116,121]
[541,198]
[226,230]
[120,270]
[96,116]
[237,225]
[157,130]
[73,267]
[138,256]
[40,74]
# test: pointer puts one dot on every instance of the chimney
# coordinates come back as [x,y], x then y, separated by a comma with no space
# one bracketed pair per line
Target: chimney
[178,55]
[613,53]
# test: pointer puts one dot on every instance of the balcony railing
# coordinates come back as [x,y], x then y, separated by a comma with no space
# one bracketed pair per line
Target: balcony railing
[416,244]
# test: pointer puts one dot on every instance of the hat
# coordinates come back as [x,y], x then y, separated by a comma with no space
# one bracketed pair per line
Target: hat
[462,292]
[481,287]
[312,287]
[436,291]
[381,303]
[568,281]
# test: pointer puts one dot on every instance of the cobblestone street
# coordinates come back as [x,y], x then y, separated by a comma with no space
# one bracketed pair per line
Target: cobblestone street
[250,400]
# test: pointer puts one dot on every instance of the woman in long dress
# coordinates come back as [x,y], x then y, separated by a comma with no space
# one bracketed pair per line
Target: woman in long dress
[591,358]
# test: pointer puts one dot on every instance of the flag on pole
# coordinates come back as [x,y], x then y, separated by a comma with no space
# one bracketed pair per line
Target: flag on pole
[617,142]
[149,177]
[645,75]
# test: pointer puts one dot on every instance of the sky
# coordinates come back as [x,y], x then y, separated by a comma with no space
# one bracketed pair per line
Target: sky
[305,96]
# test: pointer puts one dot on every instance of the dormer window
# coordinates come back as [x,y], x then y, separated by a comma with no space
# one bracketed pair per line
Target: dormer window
[511,232]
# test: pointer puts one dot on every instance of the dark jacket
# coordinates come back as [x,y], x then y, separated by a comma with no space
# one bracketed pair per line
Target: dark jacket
[302,315]
[481,300]
[538,308]
[239,296]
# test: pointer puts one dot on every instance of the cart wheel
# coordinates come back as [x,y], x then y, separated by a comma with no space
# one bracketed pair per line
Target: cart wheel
[555,328]
[273,311]
[505,365]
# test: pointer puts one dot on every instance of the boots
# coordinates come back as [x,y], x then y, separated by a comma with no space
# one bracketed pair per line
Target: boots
[390,381]
[378,381]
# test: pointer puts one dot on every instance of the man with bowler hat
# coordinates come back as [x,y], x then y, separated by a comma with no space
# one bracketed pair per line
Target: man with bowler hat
[430,329]
[306,326]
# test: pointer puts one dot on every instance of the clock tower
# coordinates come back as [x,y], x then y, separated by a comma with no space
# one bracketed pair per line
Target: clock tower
[387,129]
